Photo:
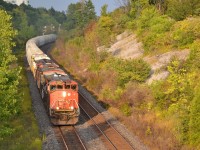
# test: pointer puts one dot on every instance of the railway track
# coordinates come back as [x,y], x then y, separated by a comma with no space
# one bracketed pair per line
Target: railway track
[108,134]
[68,138]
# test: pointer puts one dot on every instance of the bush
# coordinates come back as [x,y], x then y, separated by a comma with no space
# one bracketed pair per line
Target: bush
[152,28]
[128,70]
[194,57]
[185,32]
[126,109]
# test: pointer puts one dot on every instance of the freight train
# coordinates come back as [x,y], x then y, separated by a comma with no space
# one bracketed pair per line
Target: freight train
[58,92]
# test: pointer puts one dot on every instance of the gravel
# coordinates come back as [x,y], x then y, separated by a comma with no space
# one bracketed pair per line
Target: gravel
[50,142]
[88,135]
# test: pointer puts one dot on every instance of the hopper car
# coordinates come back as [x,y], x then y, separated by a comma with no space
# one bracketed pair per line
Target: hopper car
[58,92]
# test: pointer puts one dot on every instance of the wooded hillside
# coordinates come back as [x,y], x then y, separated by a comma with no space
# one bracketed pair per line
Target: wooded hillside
[164,114]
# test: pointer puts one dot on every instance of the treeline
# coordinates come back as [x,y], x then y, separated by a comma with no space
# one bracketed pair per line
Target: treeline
[30,22]
[164,114]
[18,24]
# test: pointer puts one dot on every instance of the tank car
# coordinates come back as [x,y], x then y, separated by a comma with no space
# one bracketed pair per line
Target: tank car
[58,91]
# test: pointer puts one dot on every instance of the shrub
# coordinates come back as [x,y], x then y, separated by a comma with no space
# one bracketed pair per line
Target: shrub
[126,109]
[185,32]
[104,30]
[194,57]
[128,70]
[152,28]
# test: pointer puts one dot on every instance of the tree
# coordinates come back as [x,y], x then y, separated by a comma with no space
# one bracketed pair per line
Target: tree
[80,14]
[137,6]
[160,4]
[20,22]
[9,72]
[180,9]
[89,11]
[104,30]
[104,10]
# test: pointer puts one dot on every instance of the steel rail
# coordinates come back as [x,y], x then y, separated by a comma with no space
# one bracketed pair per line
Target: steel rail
[63,139]
[98,127]
[79,138]
[106,121]
[67,146]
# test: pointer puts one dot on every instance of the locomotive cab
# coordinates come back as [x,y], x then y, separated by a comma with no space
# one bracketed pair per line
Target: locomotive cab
[63,97]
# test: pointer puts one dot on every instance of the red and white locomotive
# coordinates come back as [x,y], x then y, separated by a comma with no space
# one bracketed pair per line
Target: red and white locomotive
[58,91]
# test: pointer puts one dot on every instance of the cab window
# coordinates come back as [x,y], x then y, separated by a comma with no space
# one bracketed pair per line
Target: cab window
[59,86]
[67,86]
[52,87]
[73,86]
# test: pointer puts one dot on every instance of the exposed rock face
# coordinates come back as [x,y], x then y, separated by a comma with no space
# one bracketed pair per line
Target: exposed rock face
[161,61]
[128,47]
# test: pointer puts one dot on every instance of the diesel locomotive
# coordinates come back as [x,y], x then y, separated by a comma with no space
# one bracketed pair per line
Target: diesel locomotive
[58,92]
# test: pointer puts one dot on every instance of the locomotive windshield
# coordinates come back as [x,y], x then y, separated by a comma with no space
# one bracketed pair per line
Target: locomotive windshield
[67,86]
[73,86]
[54,87]
[59,87]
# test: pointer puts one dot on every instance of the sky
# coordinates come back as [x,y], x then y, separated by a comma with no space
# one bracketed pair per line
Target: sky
[61,5]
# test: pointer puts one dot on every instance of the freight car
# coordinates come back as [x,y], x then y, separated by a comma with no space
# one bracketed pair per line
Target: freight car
[58,92]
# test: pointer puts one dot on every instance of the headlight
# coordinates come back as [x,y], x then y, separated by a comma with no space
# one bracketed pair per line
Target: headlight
[57,108]
[72,107]
[64,94]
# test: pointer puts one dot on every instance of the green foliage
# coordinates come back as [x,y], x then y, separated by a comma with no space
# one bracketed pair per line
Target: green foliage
[137,7]
[177,82]
[179,10]
[79,15]
[186,31]
[105,22]
[20,22]
[194,123]
[21,131]
[177,91]
[104,10]
[129,70]
[126,109]
[152,28]
[5,131]
[194,55]
[121,20]
[9,73]
[104,29]
[158,93]
[78,41]
[30,21]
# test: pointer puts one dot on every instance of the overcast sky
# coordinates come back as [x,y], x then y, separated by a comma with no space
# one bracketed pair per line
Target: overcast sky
[61,5]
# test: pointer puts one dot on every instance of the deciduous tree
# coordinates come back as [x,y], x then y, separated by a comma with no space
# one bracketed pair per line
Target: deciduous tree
[9,71]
